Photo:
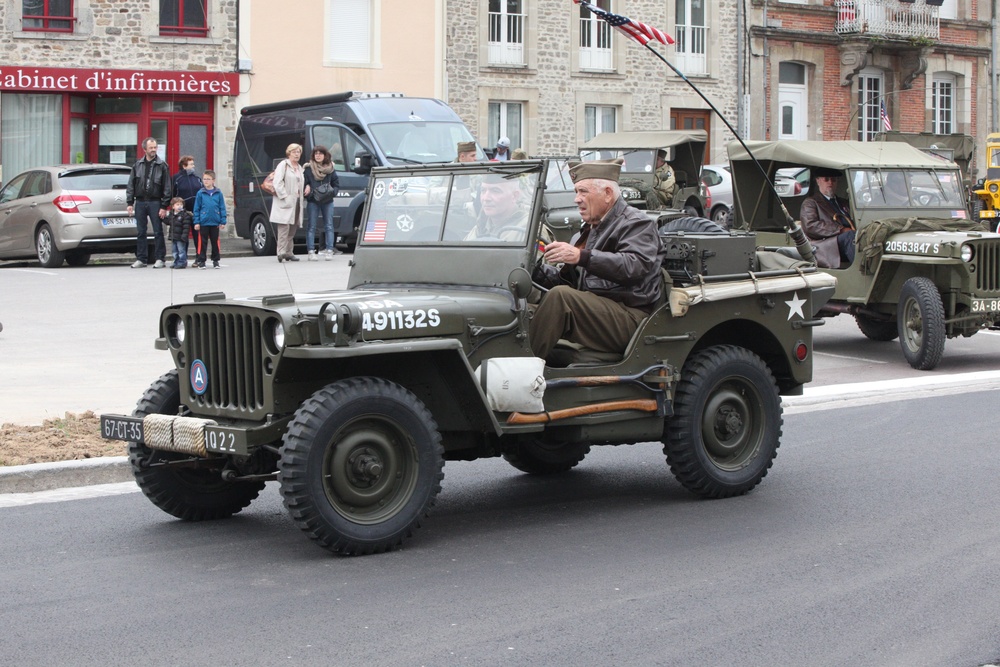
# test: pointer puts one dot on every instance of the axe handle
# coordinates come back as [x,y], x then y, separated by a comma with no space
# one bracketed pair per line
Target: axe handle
[643,405]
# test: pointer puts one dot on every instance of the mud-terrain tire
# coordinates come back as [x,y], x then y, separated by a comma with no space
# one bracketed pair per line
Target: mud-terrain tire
[880,330]
[920,321]
[361,465]
[692,224]
[192,494]
[537,457]
[49,256]
[726,427]
[262,236]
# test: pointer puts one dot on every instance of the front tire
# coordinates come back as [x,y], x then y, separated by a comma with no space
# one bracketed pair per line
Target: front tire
[192,494]
[49,256]
[880,330]
[920,321]
[726,426]
[262,236]
[361,465]
[537,457]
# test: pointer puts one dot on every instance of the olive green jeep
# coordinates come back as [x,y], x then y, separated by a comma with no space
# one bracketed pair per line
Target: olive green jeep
[923,271]
[354,399]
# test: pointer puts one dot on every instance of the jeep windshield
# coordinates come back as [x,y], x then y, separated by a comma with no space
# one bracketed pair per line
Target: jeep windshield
[893,188]
[419,142]
[476,207]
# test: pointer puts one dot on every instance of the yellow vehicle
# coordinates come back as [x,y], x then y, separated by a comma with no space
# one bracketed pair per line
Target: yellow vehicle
[988,190]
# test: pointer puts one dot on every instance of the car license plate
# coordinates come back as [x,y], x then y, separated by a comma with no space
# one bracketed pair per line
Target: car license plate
[985,305]
[120,427]
[118,222]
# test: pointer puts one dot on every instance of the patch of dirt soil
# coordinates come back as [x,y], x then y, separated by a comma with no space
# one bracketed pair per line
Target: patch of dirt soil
[73,437]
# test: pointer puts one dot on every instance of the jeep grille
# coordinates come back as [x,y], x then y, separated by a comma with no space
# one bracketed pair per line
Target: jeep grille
[231,347]
[987,266]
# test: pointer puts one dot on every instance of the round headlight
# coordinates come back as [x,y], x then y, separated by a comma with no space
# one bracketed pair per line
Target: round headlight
[278,334]
[179,330]
[175,330]
[994,188]
[967,253]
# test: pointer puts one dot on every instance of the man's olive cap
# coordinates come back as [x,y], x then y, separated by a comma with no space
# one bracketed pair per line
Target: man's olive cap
[606,169]
[466,146]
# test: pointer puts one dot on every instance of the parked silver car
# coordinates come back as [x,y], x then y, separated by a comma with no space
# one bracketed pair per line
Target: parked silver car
[65,213]
[719,182]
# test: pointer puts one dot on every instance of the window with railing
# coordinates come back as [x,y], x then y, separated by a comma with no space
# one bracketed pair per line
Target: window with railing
[943,104]
[506,39]
[595,39]
[184,18]
[47,15]
[691,34]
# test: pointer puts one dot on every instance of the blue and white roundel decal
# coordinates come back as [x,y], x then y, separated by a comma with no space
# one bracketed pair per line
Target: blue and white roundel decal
[199,377]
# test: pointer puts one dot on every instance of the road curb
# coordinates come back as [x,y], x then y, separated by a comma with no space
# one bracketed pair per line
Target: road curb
[61,474]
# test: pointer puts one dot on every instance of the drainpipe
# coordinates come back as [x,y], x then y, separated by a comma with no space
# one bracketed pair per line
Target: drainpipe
[994,78]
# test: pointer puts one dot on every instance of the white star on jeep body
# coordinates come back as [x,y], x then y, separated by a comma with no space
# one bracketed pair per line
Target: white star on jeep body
[795,306]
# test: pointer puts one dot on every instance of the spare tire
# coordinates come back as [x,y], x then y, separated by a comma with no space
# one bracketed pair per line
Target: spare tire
[692,224]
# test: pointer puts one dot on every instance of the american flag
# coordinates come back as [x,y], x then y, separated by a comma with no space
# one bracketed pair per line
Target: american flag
[640,32]
[885,117]
[375,230]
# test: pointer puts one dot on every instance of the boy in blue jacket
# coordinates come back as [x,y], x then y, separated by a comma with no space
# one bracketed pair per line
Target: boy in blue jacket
[209,219]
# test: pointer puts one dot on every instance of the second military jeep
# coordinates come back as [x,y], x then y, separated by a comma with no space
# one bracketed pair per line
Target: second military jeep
[354,399]
[924,271]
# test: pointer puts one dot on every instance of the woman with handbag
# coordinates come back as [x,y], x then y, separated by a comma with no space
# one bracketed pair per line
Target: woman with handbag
[287,203]
[322,181]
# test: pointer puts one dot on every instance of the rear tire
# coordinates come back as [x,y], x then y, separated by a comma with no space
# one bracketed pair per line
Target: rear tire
[192,494]
[726,427]
[880,330]
[720,216]
[920,321]
[78,258]
[262,236]
[49,256]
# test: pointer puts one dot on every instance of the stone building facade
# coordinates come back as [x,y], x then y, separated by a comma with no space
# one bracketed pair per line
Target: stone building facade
[549,75]
[88,80]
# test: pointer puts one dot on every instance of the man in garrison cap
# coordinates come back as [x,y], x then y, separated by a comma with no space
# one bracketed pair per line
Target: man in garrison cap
[466,151]
[826,219]
[607,280]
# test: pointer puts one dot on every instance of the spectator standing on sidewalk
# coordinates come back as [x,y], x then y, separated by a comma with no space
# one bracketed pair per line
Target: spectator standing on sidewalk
[321,182]
[148,198]
[186,183]
[178,222]
[209,218]
[288,203]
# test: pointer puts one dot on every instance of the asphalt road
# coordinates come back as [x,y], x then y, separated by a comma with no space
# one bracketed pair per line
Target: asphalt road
[873,541]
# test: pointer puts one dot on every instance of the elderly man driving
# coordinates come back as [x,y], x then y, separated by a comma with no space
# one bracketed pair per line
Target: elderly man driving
[608,279]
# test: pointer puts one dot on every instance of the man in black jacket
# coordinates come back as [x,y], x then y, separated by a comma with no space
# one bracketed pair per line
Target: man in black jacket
[607,281]
[148,197]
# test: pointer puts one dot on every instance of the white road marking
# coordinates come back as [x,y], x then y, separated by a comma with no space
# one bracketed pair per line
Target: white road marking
[72,493]
[847,356]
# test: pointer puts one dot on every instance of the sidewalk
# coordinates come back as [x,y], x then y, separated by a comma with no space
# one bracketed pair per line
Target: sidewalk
[230,246]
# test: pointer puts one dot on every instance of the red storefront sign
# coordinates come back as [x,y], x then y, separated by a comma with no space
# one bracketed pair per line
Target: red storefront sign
[96,80]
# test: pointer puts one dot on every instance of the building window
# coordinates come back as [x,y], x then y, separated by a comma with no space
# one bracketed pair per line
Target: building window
[692,36]
[595,39]
[31,126]
[948,9]
[599,119]
[506,32]
[184,18]
[349,31]
[943,104]
[48,15]
[870,86]
[505,121]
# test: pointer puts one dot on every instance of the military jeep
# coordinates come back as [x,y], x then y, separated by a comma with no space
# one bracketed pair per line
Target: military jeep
[685,154]
[923,272]
[354,399]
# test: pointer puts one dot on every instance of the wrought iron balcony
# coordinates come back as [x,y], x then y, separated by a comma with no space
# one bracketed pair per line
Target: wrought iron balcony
[891,19]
